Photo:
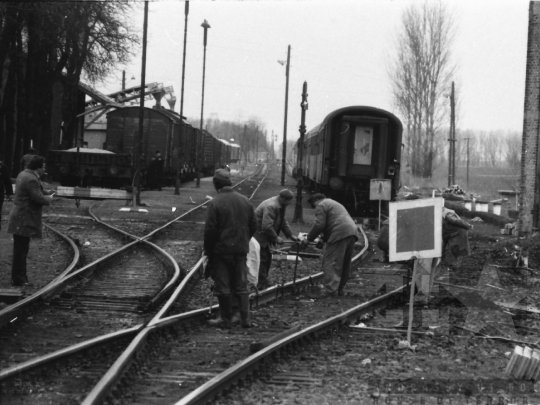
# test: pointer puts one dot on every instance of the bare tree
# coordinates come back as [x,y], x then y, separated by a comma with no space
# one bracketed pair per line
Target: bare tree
[512,150]
[420,74]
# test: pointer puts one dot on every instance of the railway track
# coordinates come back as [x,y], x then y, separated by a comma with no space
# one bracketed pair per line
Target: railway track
[166,357]
[109,294]
[177,354]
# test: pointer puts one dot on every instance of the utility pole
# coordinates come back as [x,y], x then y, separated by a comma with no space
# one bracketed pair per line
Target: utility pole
[181,134]
[138,155]
[244,146]
[273,155]
[285,123]
[299,180]
[123,79]
[452,140]
[257,145]
[467,139]
[205,25]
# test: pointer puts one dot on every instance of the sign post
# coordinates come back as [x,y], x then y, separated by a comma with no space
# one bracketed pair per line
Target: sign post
[380,189]
[415,232]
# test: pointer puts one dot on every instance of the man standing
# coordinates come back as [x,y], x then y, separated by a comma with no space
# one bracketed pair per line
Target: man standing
[6,189]
[230,224]
[25,217]
[155,172]
[270,216]
[340,234]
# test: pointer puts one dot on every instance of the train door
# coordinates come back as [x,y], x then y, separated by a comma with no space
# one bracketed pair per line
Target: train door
[363,147]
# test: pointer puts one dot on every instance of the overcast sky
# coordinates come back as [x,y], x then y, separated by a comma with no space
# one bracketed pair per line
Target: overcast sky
[341,48]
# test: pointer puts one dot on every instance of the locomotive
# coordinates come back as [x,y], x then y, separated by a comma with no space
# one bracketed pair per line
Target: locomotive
[352,146]
[163,130]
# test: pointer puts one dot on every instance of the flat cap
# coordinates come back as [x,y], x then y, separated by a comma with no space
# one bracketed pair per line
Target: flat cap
[222,174]
[315,197]
[286,194]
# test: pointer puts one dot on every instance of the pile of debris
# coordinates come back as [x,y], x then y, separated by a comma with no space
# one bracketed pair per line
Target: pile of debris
[524,364]
[455,189]
[509,229]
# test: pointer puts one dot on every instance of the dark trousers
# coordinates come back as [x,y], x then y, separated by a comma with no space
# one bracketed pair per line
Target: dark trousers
[229,273]
[265,260]
[21,246]
[336,263]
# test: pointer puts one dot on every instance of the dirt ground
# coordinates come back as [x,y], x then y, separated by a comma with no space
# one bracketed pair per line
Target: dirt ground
[448,352]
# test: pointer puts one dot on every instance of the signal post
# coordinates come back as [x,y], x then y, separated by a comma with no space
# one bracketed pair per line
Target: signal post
[298,209]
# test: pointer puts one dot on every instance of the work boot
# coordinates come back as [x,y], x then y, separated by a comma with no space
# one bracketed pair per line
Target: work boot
[244,310]
[225,313]
[235,319]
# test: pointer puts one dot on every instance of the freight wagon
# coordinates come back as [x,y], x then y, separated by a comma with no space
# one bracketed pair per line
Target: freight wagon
[163,130]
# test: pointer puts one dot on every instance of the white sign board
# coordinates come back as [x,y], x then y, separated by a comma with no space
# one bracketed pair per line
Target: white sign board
[415,229]
[380,189]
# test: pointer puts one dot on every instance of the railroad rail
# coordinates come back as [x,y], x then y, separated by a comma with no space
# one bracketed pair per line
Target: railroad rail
[141,343]
[65,289]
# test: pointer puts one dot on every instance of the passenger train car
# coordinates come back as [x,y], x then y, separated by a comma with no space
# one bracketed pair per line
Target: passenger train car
[161,132]
[352,146]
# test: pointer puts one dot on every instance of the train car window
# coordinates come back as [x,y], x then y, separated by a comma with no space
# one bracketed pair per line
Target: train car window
[363,145]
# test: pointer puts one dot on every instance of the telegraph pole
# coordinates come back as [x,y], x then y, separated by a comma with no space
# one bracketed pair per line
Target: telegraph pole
[467,139]
[244,146]
[138,155]
[452,140]
[299,179]
[285,123]
[257,145]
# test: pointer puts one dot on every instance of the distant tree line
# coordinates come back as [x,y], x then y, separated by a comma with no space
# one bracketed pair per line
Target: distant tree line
[250,134]
[489,148]
[45,48]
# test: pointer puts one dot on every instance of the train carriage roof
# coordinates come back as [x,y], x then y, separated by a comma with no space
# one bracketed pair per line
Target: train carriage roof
[354,110]
[171,115]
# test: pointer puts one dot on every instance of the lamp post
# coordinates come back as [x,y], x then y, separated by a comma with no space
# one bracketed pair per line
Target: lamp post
[138,155]
[285,121]
[181,134]
[299,181]
[205,25]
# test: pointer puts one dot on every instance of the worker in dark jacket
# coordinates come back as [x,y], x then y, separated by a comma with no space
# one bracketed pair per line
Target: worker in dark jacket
[340,233]
[6,189]
[230,224]
[270,216]
[154,174]
[25,217]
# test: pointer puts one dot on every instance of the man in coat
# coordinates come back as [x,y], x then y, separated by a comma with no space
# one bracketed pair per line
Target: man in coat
[154,176]
[25,217]
[230,224]
[6,189]
[340,233]
[270,216]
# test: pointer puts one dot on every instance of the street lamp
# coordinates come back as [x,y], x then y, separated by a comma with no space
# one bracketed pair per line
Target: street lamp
[282,63]
[181,134]
[205,25]
[139,140]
